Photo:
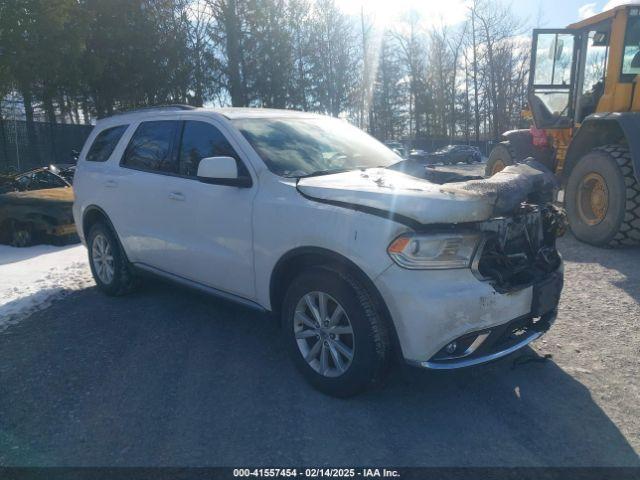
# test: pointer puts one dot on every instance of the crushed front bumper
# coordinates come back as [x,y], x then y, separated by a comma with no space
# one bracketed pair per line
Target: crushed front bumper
[493,344]
[432,310]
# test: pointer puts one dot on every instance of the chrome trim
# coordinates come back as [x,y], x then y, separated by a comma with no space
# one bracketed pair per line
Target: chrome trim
[476,343]
[470,349]
[476,361]
[475,261]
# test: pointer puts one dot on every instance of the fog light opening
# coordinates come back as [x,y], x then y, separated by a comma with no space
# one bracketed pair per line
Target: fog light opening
[451,348]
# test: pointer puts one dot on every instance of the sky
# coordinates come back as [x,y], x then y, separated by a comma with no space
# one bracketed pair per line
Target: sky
[534,13]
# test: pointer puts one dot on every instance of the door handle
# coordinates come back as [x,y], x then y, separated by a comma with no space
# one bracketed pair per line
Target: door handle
[110,184]
[176,196]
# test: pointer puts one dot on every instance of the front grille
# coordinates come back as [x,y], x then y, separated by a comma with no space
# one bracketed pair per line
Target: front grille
[521,249]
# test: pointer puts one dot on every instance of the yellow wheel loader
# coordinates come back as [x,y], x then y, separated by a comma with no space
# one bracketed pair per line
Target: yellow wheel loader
[584,99]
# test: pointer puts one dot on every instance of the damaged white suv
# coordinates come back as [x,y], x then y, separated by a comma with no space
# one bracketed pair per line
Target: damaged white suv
[361,254]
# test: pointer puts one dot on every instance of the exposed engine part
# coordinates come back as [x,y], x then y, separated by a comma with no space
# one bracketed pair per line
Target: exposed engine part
[555,221]
[521,249]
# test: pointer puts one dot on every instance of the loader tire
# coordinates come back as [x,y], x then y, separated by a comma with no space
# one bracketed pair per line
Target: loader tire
[603,198]
[499,158]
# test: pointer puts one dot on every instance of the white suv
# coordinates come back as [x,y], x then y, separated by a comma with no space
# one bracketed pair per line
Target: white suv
[310,218]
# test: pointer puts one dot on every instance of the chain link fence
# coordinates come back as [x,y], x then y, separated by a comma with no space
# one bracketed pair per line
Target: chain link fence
[47,143]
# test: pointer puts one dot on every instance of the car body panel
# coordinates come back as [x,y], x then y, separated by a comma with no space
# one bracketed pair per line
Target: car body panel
[47,211]
[432,308]
[231,239]
[402,194]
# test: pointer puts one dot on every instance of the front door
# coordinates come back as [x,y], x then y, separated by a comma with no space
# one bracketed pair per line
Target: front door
[210,225]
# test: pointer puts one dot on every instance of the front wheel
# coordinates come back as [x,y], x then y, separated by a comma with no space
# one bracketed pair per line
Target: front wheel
[603,198]
[335,334]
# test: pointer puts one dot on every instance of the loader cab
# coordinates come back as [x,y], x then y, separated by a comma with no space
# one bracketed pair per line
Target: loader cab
[569,74]
[588,67]
[552,79]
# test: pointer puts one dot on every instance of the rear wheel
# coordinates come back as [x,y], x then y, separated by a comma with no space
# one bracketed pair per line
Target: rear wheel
[21,234]
[335,334]
[110,268]
[499,158]
[603,198]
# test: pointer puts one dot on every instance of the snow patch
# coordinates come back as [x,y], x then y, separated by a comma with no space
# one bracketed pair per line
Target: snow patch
[31,278]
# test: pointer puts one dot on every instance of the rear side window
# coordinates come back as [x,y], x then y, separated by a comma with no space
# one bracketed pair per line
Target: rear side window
[151,149]
[201,140]
[104,143]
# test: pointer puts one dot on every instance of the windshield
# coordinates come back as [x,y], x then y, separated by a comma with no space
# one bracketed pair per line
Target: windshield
[296,147]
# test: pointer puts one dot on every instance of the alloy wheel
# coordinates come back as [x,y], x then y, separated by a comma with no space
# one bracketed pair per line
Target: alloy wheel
[324,334]
[102,258]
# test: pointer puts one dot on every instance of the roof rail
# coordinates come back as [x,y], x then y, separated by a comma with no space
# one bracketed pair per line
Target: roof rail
[176,106]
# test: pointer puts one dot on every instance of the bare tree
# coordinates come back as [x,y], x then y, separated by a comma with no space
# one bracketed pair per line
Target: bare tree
[410,40]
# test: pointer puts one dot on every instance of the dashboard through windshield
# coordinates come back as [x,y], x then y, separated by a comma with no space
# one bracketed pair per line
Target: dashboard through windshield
[297,147]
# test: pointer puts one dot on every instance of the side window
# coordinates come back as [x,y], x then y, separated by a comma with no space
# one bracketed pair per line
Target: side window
[150,147]
[44,179]
[104,143]
[631,53]
[201,140]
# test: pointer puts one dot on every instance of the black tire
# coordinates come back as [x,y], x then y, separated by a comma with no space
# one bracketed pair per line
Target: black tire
[21,234]
[123,280]
[621,222]
[500,155]
[371,344]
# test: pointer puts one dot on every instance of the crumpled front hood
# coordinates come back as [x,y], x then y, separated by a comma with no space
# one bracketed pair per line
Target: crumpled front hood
[427,202]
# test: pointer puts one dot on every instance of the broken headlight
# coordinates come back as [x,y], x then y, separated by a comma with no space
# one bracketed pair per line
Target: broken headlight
[437,251]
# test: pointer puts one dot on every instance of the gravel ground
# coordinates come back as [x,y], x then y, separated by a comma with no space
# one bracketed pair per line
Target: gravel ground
[169,377]
[597,337]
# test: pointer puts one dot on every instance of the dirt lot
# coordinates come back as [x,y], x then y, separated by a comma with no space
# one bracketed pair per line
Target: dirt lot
[169,377]
[597,337]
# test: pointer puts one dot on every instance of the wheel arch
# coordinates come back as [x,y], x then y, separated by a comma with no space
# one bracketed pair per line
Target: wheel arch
[93,214]
[295,261]
[521,146]
[605,129]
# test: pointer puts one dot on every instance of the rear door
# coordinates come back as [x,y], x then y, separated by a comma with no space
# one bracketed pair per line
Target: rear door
[552,77]
[139,192]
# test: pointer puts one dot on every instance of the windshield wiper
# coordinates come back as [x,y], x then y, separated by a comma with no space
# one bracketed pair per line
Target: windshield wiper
[329,171]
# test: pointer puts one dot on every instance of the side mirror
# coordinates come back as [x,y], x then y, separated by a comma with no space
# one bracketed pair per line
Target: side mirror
[222,171]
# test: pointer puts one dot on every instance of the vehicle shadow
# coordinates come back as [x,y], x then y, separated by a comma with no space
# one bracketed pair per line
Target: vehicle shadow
[169,377]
